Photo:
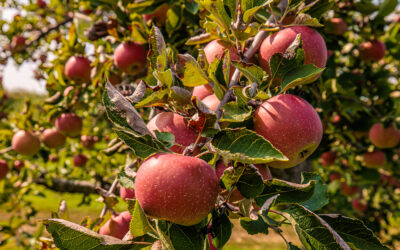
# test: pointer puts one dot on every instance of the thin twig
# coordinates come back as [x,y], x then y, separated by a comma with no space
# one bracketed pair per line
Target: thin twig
[111,190]
[6,150]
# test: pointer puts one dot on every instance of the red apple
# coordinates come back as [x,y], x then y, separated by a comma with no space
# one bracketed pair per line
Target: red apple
[313,44]
[384,137]
[359,206]
[160,14]
[211,102]
[348,190]
[18,164]
[69,124]
[202,91]
[396,19]
[25,143]
[52,138]
[372,50]
[392,181]
[177,188]
[292,125]
[130,57]
[88,141]
[334,176]
[126,193]
[175,124]
[114,79]
[3,169]
[41,3]
[117,226]
[80,160]
[18,43]
[336,26]
[77,68]
[374,159]
[336,119]
[53,158]
[328,158]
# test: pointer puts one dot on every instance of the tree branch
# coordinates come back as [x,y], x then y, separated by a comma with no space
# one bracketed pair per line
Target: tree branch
[69,186]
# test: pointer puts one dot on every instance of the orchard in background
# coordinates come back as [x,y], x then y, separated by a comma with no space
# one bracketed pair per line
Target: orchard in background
[200,112]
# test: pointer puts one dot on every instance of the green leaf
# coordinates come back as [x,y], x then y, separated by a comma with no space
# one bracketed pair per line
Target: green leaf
[313,231]
[174,19]
[142,146]
[251,71]
[250,183]
[241,99]
[126,177]
[290,246]
[245,146]
[234,113]
[139,224]
[320,196]
[168,139]
[318,9]
[68,235]
[193,75]
[192,7]
[293,4]
[299,76]
[385,8]
[231,175]
[288,192]
[158,49]
[181,237]
[353,231]
[253,226]
[217,12]
[158,98]
[365,8]
[222,229]
[165,77]
[268,204]
[250,11]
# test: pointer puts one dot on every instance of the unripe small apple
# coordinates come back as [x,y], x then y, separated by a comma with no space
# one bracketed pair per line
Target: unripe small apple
[3,169]
[69,124]
[130,57]
[177,125]
[336,26]
[177,188]
[25,143]
[359,206]
[291,125]
[384,137]
[78,68]
[348,190]
[313,44]
[374,159]
[160,14]
[126,193]
[334,176]
[80,160]
[18,43]
[18,164]
[372,50]
[202,91]
[211,102]
[52,138]
[328,158]
[117,226]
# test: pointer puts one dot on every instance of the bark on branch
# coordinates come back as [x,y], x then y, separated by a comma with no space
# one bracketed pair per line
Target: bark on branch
[69,186]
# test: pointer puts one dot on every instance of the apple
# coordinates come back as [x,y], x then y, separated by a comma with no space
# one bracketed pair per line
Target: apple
[336,119]
[328,158]
[18,43]
[202,91]
[334,176]
[25,143]
[18,164]
[291,125]
[175,124]
[313,44]
[130,57]
[69,124]
[336,26]
[88,141]
[114,79]
[80,160]
[77,68]
[41,3]
[211,102]
[372,50]
[358,205]
[384,137]
[160,14]
[52,138]
[177,188]
[374,159]
[396,19]
[117,226]
[53,158]
[3,169]
[392,181]
[348,190]
[126,193]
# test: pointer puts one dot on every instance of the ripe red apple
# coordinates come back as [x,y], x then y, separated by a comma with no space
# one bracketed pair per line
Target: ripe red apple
[80,160]
[130,57]
[374,159]
[313,44]
[117,226]
[384,137]
[336,26]
[88,141]
[202,91]
[177,188]
[211,102]
[69,124]
[3,169]
[52,138]
[77,68]
[126,193]
[334,176]
[175,124]
[25,143]
[348,190]
[18,164]
[160,14]
[336,119]
[292,125]
[216,50]
[328,158]
[18,43]
[359,206]
[41,3]
[372,50]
